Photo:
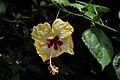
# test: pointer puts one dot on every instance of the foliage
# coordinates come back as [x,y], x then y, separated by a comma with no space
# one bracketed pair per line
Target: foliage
[100,33]
[116,65]
[119,14]
[2,8]
[99,45]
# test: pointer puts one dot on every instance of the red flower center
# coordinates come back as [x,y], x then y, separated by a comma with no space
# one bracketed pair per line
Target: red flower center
[54,41]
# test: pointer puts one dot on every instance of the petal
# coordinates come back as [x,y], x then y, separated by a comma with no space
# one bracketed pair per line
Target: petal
[56,53]
[61,28]
[68,45]
[41,32]
[43,51]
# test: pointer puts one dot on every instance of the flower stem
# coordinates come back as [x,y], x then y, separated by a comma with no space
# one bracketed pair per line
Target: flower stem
[57,14]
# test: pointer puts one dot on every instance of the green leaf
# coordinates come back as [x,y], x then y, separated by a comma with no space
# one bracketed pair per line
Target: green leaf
[2,8]
[67,3]
[64,2]
[90,15]
[116,65]
[101,8]
[18,16]
[76,5]
[43,3]
[25,17]
[99,45]
[92,7]
[98,8]
[93,17]
[119,15]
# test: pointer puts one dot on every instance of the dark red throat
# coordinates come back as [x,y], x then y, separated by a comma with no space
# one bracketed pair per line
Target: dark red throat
[54,42]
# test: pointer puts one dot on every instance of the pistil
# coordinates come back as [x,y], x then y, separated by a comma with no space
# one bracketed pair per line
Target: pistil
[54,69]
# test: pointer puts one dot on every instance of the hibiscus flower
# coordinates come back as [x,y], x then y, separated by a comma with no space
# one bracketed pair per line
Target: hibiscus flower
[53,41]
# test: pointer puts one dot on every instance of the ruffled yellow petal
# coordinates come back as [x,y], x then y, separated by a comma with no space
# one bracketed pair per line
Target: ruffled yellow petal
[41,32]
[45,55]
[61,28]
[68,45]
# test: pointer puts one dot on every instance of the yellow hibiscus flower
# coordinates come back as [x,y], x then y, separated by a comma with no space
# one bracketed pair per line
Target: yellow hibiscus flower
[52,42]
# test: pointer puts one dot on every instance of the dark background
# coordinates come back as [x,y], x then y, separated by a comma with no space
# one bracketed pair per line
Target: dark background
[19,60]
